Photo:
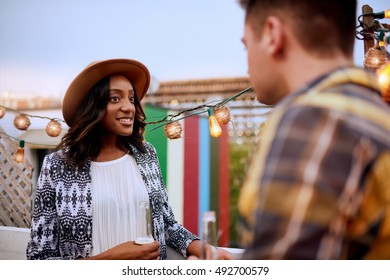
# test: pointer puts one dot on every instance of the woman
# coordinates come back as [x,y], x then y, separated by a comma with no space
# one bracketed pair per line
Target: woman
[88,190]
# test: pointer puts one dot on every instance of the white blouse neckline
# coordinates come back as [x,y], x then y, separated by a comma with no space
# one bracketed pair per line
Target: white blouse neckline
[110,161]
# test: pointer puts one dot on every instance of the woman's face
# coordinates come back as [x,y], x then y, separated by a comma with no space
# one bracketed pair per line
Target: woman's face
[120,111]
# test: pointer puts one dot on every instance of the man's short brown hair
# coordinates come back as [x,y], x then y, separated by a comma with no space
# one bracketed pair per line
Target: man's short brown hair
[320,26]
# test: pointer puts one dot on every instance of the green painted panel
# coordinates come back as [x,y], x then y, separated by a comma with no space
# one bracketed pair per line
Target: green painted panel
[157,137]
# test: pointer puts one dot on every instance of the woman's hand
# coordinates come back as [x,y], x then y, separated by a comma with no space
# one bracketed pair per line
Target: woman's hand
[130,251]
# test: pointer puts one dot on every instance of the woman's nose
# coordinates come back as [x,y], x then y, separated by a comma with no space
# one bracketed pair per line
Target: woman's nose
[127,106]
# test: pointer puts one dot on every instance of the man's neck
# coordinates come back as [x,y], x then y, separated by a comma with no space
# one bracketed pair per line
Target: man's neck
[304,69]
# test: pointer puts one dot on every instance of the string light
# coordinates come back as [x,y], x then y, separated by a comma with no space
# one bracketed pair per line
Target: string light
[173,130]
[375,58]
[383,74]
[222,114]
[200,110]
[22,122]
[19,155]
[53,128]
[380,15]
[215,129]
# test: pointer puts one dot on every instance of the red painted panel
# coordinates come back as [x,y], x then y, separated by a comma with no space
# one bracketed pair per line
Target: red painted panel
[191,173]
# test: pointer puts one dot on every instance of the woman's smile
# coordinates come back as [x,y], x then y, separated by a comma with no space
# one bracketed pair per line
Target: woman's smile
[126,120]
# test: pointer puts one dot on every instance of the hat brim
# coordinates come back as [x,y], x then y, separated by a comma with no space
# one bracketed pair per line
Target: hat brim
[133,70]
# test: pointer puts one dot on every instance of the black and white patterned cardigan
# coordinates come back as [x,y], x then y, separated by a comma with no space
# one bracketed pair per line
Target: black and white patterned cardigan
[61,226]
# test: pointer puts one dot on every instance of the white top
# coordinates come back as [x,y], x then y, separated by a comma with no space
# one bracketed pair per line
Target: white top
[117,188]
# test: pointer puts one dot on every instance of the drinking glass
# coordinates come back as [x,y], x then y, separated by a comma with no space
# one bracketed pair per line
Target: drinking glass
[144,224]
[209,234]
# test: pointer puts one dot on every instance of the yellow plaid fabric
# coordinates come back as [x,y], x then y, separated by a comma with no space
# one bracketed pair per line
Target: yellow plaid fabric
[318,186]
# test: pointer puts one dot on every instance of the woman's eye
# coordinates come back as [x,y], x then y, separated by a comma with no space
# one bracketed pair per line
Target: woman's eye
[115,98]
[132,99]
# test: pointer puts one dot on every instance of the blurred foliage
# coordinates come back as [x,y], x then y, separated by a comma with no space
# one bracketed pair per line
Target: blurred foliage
[239,159]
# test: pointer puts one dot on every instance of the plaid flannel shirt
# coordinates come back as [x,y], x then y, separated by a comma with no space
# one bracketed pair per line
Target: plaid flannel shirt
[318,186]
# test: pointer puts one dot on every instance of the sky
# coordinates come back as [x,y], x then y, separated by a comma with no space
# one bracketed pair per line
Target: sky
[44,44]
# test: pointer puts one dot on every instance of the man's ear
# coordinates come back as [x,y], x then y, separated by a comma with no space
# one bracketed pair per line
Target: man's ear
[274,32]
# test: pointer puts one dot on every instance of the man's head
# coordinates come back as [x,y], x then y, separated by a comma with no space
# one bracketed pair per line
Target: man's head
[277,31]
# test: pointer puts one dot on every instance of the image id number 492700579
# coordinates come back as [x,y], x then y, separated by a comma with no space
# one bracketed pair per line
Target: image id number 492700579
[242,270]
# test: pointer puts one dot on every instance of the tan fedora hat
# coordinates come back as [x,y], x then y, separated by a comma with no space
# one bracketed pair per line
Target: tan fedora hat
[135,71]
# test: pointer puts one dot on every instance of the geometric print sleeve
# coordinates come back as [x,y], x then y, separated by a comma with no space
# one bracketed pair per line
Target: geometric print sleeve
[61,226]
[44,243]
[169,231]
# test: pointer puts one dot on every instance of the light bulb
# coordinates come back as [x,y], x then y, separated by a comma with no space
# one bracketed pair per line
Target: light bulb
[387,13]
[22,122]
[53,128]
[19,155]
[383,75]
[222,114]
[375,58]
[215,129]
[173,130]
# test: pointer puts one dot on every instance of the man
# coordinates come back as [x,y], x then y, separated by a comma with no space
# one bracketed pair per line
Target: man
[318,186]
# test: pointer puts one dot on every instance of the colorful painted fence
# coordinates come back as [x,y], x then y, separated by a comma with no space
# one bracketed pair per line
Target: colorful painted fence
[195,170]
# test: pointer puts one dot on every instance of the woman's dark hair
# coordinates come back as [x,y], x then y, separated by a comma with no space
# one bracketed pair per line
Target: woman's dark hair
[80,142]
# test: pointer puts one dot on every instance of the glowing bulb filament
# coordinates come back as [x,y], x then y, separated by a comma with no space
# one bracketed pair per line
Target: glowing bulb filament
[387,13]
[383,75]
[215,129]
[19,156]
